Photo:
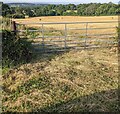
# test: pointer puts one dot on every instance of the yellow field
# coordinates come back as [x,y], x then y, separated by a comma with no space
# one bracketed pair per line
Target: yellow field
[73,19]
[68,19]
[51,29]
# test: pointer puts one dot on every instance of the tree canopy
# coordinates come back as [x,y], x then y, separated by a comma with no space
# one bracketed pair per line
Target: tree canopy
[91,9]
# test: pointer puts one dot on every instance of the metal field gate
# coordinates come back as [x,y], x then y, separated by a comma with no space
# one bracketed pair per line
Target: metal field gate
[62,36]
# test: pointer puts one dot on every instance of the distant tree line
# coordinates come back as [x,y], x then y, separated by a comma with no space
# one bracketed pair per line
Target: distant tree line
[91,9]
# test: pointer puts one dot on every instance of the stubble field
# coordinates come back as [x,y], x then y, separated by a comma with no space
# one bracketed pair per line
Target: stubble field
[62,19]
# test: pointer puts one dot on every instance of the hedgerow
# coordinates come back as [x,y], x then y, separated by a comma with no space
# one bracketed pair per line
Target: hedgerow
[14,49]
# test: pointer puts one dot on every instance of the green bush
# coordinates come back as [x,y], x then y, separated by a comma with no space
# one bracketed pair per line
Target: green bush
[18,16]
[118,38]
[118,30]
[14,49]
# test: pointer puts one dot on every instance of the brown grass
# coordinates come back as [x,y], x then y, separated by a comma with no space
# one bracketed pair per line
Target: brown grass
[75,81]
[84,80]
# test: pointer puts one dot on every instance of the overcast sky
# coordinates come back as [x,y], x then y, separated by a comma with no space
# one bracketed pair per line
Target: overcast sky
[62,1]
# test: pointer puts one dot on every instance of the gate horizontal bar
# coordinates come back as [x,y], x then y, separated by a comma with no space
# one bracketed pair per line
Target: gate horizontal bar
[91,28]
[69,22]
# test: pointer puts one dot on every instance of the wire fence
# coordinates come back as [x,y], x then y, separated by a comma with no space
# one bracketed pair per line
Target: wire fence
[62,36]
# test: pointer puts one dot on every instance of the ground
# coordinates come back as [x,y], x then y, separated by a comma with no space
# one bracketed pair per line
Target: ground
[71,81]
[74,81]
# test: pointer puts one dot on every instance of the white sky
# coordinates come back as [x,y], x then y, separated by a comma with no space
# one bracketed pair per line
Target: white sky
[62,1]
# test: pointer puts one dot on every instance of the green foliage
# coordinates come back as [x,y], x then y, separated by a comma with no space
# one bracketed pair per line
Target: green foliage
[18,16]
[118,33]
[118,30]
[91,9]
[6,23]
[72,13]
[15,50]
[5,10]
[11,12]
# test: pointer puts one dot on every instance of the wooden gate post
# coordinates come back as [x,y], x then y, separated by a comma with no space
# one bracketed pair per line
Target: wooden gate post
[14,28]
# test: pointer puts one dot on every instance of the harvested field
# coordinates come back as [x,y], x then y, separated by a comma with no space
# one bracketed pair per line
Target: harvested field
[68,19]
[72,19]
[75,38]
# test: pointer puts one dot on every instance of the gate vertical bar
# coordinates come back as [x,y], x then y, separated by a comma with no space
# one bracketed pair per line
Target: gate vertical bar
[86,35]
[43,38]
[65,36]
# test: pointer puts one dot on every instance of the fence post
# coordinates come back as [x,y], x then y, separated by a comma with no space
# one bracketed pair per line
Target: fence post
[65,36]
[14,28]
[86,35]
[10,23]
[43,37]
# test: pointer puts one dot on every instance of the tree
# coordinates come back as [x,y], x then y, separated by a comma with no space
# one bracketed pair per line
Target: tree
[5,10]
[72,13]
[111,11]
[31,13]
[60,9]
[103,9]
[52,13]
[71,7]
[81,10]
[91,9]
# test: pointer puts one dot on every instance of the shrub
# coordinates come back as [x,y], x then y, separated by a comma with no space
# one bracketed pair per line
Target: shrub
[18,16]
[14,49]
[6,23]
[118,38]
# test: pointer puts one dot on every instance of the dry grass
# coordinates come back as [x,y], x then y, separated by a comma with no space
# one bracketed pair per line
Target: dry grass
[85,80]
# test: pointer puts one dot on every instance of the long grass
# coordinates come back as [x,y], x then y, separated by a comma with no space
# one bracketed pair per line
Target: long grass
[5,23]
[75,81]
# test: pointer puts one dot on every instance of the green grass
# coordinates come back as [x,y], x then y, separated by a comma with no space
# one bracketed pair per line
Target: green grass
[75,81]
